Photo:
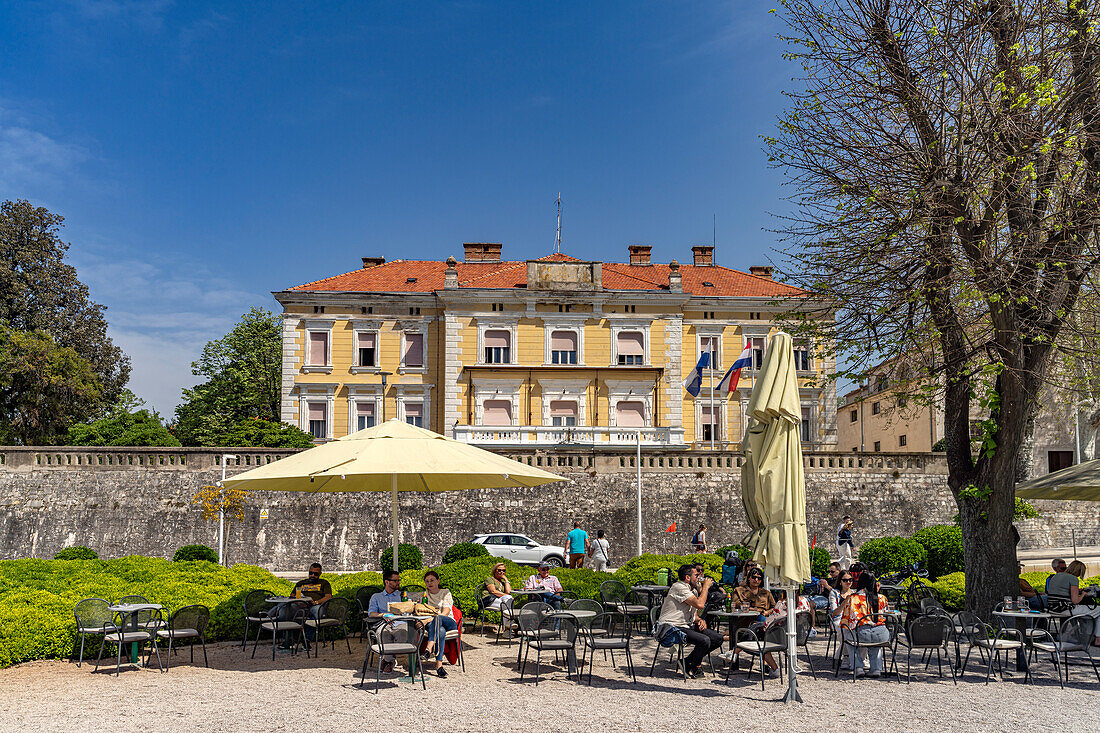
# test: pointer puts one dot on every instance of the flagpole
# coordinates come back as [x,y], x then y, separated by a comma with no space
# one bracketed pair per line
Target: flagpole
[713,421]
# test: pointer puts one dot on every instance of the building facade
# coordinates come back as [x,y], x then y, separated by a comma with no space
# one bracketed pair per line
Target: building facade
[544,352]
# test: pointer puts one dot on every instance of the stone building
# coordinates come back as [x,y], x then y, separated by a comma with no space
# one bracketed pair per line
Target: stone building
[543,352]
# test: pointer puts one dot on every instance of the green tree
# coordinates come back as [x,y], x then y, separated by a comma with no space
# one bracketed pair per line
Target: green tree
[242,371]
[40,291]
[43,388]
[944,163]
[258,433]
[128,423]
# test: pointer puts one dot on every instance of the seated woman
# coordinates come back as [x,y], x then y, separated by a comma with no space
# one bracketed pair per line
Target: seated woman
[854,624]
[497,588]
[440,599]
[1067,585]
[753,595]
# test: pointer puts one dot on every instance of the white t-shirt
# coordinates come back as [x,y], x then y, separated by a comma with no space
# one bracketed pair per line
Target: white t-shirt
[675,611]
[599,550]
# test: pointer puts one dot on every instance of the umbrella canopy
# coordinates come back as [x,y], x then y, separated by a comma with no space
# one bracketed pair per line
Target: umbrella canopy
[393,457]
[1080,482]
[773,484]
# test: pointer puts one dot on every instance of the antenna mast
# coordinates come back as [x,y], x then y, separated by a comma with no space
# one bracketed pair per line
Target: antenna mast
[557,240]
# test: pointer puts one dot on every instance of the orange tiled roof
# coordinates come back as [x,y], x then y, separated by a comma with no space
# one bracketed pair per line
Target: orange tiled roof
[425,276]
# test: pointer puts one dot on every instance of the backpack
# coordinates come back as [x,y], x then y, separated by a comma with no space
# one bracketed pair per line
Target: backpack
[716,600]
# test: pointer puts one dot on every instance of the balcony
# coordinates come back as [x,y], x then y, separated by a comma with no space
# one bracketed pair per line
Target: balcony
[538,436]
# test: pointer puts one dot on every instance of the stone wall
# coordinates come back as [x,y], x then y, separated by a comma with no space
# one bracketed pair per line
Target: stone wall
[137,501]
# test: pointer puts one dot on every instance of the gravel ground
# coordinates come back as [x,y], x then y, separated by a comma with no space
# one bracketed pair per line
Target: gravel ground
[294,693]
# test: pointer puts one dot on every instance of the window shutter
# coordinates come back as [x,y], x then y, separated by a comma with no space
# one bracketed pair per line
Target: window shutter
[497,412]
[563,341]
[497,339]
[318,348]
[317,411]
[631,344]
[563,408]
[630,414]
[414,349]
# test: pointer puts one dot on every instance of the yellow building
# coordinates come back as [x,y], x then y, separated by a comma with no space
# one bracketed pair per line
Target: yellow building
[539,352]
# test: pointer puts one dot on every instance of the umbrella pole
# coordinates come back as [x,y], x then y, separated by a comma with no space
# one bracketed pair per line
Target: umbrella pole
[792,648]
[393,504]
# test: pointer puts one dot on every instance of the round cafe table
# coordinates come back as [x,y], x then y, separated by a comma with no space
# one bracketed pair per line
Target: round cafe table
[1021,618]
[129,613]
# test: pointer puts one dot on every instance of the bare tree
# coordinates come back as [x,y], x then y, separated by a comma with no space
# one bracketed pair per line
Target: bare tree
[944,160]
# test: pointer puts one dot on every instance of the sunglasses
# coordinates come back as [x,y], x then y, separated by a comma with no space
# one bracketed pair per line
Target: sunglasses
[845,580]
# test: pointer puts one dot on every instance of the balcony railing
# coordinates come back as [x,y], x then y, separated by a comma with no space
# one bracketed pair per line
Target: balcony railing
[587,436]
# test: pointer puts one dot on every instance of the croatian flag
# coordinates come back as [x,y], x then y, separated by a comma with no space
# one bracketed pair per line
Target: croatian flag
[695,377]
[729,381]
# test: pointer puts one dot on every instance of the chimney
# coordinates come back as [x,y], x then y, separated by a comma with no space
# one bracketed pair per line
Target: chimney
[481,251]
[703,254]
[764,271]
[675,279]
[639,254]
[450,275]
[373,261]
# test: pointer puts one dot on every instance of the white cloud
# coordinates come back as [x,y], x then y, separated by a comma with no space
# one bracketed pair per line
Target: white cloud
[30,159]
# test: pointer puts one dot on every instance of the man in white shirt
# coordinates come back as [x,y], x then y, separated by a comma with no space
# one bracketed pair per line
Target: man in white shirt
[544,581]
[685,599]
[598,551]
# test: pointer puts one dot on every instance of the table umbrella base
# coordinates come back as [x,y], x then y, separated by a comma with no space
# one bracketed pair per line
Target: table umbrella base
[792,694]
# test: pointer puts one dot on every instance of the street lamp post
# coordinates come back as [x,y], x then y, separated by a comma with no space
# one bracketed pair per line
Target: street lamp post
[221,510]
[384,375]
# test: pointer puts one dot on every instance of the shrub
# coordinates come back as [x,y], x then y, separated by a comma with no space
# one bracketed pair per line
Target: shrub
[743,552]
[76,553]
[190,553]
[890,554]
[943,543]
[951,590]
[643,568]
[463,551]
[819,562]
[409,556]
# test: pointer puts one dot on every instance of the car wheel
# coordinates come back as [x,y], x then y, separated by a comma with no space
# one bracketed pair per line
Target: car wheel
[554,561]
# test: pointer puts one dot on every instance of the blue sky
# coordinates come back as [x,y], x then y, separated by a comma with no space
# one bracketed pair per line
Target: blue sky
[207,154]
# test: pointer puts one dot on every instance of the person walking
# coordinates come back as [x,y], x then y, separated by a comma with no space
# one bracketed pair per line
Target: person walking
[699,539]
[844,542]
[598,551]
[577,545]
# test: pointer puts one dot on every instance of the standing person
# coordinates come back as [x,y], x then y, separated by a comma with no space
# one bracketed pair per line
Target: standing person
[699,539]
[598,551]
[680,612]
[577,545]
[844,542]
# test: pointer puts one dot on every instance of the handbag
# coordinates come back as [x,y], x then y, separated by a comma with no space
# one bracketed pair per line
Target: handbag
[1059,605]
[423,609]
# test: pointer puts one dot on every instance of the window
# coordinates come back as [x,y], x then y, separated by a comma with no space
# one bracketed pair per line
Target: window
[367,354]
[366,309]
[497,539]
[563,413]
[565,308]
[630,414]
[708,315]
[364,415]
[497,412]
[875,408]
[498,347]
[757,345]
[563,347]
[802,356]
[631,347]
[853,416]
[880,383]
[878,446]
[710,423]
[710,345]
[1059,459]
[318,422]
[318,349]
[630,309]
[318,309]
[414,311]
[805,426]
[518,540]
[498,306]
[902,402]
[414,350]
[414,414]
[901,441]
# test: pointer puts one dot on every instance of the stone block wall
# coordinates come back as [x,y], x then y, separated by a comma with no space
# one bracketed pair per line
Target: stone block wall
[137,501]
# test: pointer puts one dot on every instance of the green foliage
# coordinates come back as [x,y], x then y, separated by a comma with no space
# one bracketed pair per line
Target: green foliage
[743,552]
[462,551]
[78,552]
[126,424]
[940,446]
[41,296]
[44,387]
[1024,509]
[259,433]
[643,568]
[819,562]
[242,382]
[951,590]
[891,554]
[409,556]
[192,553]
[944,545]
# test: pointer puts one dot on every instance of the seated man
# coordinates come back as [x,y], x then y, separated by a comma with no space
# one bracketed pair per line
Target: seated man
[317,590]
[380,608]
[679,612]
[1035,599]
[824,587]
[546,582]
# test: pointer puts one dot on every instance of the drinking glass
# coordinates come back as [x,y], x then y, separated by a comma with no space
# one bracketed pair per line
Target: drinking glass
[1021,603]
[1008,603]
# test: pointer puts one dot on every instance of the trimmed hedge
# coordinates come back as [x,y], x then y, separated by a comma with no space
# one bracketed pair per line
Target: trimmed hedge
[79,552]
[819,562]
[891,554]
[944,545]
[409,555]
[643,569]
[192,553]
[463,551]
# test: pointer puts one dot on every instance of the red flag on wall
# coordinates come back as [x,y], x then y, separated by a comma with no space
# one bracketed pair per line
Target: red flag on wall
[671,528]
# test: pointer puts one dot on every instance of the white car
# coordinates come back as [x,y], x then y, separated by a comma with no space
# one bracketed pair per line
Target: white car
[521,549]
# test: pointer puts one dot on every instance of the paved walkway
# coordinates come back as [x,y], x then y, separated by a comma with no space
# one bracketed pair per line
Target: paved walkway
[1039,560]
